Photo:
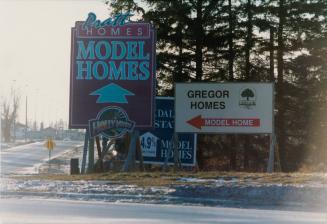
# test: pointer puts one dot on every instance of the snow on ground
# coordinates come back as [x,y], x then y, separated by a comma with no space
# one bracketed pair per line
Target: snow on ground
[61,163]
[215,192]
[216,182]
[249,191]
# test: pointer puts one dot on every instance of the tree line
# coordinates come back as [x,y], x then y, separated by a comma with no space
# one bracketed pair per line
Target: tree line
[280,41]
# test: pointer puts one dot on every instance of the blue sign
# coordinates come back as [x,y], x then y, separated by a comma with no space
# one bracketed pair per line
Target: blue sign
[155,143]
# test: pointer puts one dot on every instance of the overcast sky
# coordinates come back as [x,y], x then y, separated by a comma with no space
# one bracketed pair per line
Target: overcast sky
[35,52]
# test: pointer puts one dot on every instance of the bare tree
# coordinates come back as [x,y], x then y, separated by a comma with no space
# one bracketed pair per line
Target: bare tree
[9,114]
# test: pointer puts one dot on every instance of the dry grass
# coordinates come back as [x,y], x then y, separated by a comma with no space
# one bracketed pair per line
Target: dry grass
[171,178]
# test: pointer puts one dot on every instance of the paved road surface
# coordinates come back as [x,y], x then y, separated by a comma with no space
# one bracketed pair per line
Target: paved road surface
[34,211]
[25,158]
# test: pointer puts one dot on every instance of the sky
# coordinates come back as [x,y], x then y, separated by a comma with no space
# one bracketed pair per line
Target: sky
[35,53]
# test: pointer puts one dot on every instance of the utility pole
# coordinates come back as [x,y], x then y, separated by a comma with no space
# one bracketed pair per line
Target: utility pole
[0,134]
[26,119]
[0,128]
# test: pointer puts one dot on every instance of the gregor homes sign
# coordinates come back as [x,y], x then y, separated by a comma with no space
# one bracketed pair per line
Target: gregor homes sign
[224,107]
[112,81]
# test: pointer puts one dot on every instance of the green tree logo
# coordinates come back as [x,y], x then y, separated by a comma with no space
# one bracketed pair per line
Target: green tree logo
[247,93]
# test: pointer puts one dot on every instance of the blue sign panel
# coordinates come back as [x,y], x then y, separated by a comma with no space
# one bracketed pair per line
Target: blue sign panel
[155,143]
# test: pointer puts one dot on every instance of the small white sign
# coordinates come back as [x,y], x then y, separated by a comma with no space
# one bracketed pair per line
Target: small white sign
[149,144]
[224,107]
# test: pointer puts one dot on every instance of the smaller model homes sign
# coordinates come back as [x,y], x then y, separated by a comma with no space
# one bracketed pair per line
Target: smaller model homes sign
[158,142]
[224,107]
[112,81]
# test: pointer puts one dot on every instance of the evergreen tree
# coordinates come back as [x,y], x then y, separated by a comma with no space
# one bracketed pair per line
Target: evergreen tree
[209,40]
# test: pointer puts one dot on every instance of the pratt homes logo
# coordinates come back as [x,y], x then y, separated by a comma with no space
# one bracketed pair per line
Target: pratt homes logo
[247,98]
[111,122]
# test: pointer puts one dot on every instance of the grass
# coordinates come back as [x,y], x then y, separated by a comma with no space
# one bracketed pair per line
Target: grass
[172,178]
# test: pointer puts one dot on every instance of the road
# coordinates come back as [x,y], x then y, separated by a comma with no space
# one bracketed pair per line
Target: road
[36,211]
[26,158]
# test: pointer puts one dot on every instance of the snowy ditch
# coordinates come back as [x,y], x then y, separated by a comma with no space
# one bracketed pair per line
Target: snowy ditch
[208,192]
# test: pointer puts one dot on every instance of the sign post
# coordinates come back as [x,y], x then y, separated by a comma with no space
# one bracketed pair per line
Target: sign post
[90,167]
[271,160]
[132,151]
[86,143]
[49,144]
[226,108]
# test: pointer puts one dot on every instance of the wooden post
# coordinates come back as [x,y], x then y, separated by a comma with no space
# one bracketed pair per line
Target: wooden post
[271,160]
[90,168]
[97,141]
[277,159]
[177,161]
[130,160]
[170,149]
[139,153]
[130,155]
[86,142]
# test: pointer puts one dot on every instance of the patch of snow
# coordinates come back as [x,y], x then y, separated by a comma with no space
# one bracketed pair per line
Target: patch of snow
[216,182]
[194,180]
[222,191]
